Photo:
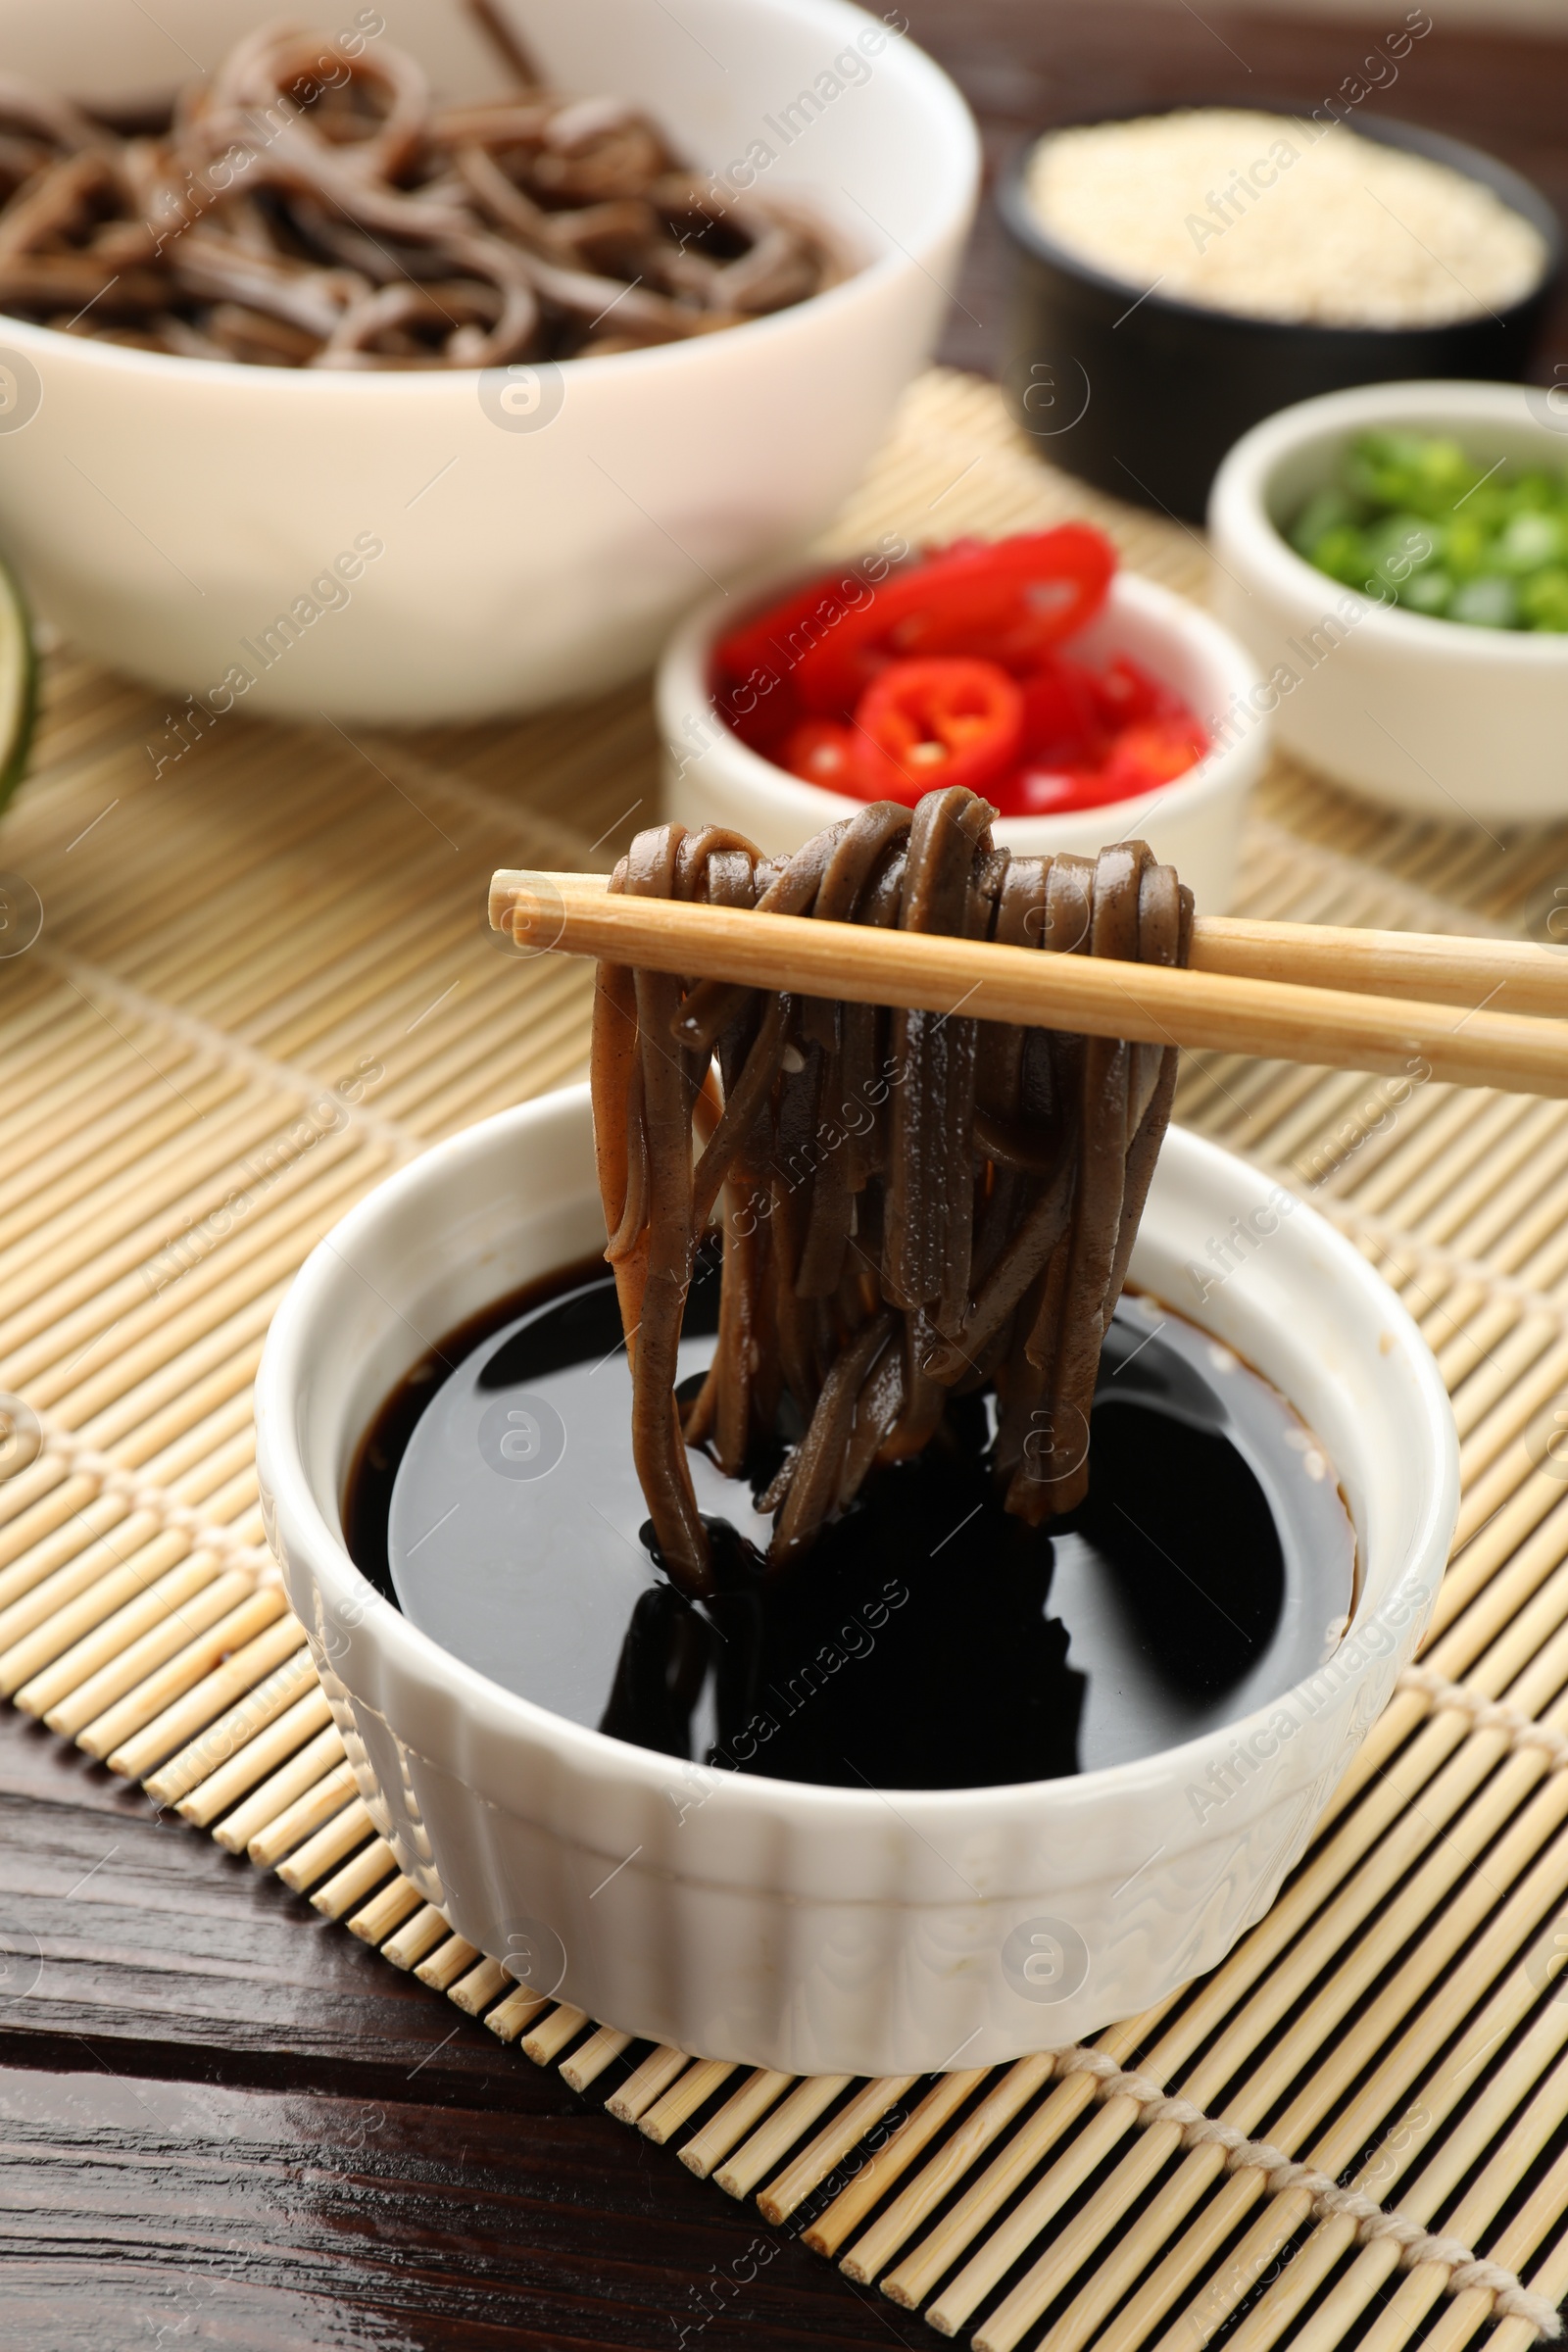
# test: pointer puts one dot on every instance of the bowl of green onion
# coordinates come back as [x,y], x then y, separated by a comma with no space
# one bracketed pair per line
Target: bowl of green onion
[1395,559]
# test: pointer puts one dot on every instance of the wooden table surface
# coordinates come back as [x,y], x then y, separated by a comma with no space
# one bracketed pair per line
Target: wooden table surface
[223,2121]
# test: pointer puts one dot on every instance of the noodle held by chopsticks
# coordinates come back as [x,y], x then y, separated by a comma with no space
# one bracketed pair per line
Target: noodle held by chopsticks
[309,207]
[915,1204]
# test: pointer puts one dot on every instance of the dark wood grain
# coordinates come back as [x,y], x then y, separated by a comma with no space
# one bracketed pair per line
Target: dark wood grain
[236,2216]
[224,2122]
[154,1947]
[223,2118]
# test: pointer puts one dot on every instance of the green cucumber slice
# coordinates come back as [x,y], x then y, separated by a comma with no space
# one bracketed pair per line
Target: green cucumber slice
[19,686]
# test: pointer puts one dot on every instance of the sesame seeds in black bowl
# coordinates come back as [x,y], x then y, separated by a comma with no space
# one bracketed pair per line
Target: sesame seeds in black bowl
[1178,277]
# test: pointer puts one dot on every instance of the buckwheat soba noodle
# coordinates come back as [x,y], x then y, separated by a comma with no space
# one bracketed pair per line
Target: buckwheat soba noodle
[803,1484]
[309,207]
[916,1206]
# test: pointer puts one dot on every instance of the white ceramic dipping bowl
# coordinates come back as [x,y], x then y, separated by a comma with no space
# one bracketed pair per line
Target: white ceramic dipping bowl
[815,1928]
[1433,716]
[1195,824]
[165,510]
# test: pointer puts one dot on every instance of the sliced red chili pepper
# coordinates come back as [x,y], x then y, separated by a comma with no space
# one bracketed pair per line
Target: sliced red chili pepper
[821,751]
[777,639]
[928,724]
[924,660]
[1036,792]
[1141,759]
[1007,601]
[760,720]
[1062,722]
[1125,692]
[1056,791]
[1154,753]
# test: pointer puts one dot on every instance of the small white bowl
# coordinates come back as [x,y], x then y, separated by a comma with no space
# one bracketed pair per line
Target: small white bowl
[710,777]
[166,512]
[1432,715]
[825,1930]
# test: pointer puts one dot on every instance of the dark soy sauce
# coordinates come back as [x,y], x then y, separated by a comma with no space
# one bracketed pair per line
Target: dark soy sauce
[928,1640]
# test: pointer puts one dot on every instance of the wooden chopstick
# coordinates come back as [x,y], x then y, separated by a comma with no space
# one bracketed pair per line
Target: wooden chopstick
[1230,1001]
[1498,975]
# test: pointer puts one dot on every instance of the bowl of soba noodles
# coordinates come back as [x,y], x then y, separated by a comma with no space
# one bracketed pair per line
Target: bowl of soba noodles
[847,1543]
[425,361]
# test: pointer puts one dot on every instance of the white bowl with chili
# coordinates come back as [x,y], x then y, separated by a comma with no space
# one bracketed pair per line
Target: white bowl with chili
[1088,703]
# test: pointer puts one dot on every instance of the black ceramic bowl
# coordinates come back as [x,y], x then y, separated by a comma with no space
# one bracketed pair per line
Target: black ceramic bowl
[1144,398]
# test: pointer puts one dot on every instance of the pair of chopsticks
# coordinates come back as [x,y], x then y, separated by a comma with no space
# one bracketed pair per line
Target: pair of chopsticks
[1475,1011]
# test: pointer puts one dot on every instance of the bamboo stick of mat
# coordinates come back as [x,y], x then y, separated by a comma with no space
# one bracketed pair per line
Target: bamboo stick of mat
[1099,996]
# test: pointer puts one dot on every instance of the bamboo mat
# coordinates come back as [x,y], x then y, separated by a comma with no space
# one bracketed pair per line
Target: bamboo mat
[263,980]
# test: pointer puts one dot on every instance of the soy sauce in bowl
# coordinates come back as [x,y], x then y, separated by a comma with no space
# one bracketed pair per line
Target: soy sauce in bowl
[928,1640]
